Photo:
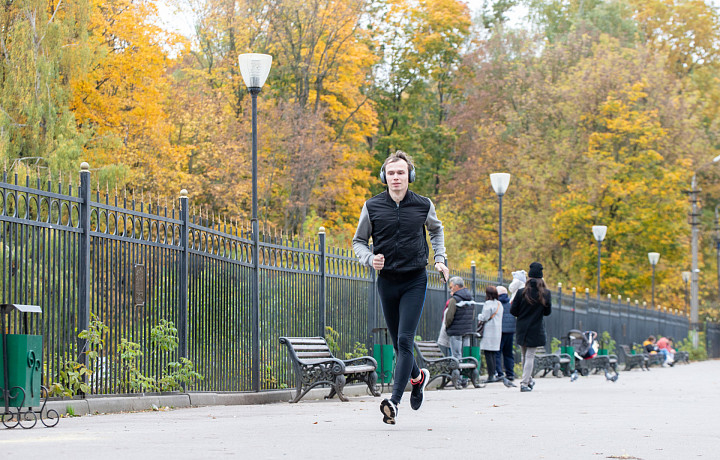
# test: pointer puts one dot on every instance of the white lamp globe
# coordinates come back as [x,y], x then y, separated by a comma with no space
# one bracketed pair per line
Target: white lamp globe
[254,68]
[500,182]
[599,232]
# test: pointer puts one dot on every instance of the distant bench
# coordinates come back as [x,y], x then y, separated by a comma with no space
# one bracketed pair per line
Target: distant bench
[557,363]
[631,360]
[315,365]
[682,357]
[447,367]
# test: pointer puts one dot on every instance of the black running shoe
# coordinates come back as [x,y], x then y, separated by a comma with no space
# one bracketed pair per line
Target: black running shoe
[418,390]
[389,410]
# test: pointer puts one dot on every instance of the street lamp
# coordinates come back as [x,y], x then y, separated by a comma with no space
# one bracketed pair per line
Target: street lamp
[695,224]
[654,257]
[599,232]
[686,278]
[255,69]
[500,182]
[717,245]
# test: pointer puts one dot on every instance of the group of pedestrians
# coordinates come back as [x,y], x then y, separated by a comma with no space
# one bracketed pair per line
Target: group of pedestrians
[519,311]
[396,221]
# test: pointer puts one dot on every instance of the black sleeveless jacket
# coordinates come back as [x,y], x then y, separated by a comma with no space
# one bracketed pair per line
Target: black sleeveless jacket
[463,322]
[398,230]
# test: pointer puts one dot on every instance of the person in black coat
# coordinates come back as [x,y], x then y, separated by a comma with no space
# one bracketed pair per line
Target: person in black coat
[530,305]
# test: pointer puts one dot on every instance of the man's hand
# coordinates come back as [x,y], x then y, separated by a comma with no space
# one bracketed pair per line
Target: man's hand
[444,271]
[378,261]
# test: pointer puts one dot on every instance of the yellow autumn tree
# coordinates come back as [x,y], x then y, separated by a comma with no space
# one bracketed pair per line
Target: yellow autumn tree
[120,90]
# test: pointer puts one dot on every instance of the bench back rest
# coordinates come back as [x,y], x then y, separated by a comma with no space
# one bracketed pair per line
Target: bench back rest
[429,350]
[624,350]
[541,351]
[309,347]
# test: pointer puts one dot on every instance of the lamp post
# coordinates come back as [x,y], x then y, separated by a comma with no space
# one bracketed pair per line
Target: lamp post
[255,69]
[686,278]
[500,182]
[695,224]
[654,257]
[717,246]
[599,232]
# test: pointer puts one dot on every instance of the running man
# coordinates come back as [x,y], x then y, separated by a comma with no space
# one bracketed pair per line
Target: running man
[396,220]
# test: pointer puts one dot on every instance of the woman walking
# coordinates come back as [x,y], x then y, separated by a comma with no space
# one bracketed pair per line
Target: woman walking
[492,314]
[531,304]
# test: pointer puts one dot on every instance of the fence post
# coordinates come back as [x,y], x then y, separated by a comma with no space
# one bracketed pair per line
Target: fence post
[83,322]
[473,270]
[559,286]
[323,280]
[184,259]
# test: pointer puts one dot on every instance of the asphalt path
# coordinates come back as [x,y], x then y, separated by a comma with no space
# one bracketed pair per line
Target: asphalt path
[666,413]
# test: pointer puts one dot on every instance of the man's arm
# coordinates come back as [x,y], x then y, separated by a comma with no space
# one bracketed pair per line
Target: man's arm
[437,236]
[362,237]
[450,312]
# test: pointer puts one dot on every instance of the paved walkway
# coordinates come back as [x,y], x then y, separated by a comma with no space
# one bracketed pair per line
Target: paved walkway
[668,413]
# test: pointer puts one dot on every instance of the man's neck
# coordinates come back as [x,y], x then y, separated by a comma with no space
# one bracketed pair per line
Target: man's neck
[397,197]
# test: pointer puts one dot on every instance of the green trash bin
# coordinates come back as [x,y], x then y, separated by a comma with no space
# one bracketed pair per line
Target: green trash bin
[570,351]
[24,364]
[20,362]
[472,351]
[602,352]
[385,357]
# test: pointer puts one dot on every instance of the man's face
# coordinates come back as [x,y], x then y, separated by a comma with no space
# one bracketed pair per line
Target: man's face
[454,288]
[396,174]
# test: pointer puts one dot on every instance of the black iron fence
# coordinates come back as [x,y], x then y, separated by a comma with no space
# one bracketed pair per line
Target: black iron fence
[134,263]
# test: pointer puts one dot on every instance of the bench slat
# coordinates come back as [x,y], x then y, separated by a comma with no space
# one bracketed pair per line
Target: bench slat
[306,340]
[351,369]
[311,347]
[305,354]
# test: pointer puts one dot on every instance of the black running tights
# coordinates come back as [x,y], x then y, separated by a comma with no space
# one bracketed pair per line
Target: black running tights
[402,299]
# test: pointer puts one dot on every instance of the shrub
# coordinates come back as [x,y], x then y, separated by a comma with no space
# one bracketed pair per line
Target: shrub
[696,354]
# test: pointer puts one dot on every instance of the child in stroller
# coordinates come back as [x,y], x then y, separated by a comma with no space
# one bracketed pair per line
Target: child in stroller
[585,346]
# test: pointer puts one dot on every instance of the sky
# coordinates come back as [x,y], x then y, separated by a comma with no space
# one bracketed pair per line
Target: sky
[180,22]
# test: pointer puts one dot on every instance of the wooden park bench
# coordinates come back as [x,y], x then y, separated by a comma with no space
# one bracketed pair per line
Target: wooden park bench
[314,365]
[447,367]
[630,360]
[557,363]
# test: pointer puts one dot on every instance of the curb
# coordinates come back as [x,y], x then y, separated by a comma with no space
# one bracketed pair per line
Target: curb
[116,404]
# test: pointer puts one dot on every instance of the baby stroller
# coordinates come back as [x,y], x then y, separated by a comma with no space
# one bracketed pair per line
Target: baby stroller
[586,357]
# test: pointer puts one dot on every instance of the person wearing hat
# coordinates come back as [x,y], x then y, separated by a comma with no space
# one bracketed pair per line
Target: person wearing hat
[530,305]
